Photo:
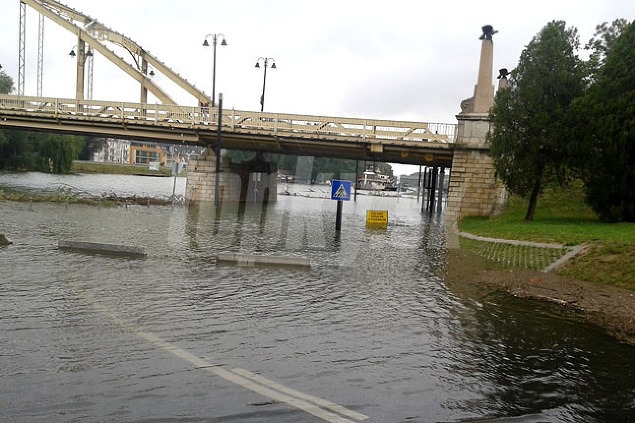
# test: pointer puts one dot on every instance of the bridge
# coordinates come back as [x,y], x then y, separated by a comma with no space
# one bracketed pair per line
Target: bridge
[347,138]
[460,147]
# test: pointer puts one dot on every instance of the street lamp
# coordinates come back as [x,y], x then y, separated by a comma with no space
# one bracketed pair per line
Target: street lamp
[206,44]
[89,53]
[84,58]
[265,61]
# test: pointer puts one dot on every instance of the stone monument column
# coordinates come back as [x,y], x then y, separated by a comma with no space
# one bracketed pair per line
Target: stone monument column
[473,188]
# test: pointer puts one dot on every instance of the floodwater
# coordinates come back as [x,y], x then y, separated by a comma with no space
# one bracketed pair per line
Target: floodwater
[372,332]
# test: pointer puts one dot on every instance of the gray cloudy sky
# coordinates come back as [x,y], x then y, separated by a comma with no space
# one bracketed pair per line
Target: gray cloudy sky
[400,59]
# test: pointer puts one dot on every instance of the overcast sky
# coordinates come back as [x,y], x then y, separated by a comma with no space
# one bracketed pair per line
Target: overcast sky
[399,59]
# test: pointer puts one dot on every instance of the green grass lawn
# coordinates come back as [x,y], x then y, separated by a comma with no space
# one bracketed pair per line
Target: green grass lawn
[562,217]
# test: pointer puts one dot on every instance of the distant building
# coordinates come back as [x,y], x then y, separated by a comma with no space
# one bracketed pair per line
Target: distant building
[133,152]
[113,151]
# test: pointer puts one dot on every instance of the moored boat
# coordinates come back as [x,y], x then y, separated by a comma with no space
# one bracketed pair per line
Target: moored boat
[373,180]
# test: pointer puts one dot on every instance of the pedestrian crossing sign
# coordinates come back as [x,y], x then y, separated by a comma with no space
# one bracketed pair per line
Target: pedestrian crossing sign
[340,190]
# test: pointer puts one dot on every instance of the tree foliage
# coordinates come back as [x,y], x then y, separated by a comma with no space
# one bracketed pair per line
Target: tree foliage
[602,41]
[22,150]
[529,136]
[605,126]
[50,153]
[322,167]
[6,83]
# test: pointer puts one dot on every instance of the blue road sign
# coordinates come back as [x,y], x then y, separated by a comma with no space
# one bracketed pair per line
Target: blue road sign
[340,190]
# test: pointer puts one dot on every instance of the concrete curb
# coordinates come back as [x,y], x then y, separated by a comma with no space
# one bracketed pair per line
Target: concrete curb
[253,260]
[572,250]
[510,241]
[126,250]
[562,260]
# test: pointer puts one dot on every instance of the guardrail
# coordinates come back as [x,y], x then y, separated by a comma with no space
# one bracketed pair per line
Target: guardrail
[276,124]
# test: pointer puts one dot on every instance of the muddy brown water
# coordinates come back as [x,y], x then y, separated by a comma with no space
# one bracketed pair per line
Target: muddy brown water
[371,332]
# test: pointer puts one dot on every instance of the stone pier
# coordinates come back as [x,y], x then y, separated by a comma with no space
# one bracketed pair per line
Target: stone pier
[473,188]
[250,181]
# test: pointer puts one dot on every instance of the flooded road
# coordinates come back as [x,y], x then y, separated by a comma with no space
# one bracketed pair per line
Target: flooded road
[371,332]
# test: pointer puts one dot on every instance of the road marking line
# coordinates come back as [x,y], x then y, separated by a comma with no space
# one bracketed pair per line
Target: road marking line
[263,388]
[318,401]
[245,378]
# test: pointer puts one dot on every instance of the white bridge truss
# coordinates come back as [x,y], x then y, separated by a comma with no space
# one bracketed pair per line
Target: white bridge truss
[263,123]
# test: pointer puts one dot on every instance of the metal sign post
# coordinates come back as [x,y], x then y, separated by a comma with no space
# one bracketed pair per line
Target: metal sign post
[217,148]
[340,191]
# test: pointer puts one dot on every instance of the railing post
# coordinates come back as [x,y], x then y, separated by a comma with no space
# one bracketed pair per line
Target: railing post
[364,131]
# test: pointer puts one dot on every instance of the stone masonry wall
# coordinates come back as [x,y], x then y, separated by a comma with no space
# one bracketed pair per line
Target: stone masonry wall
[473,190]
[201,180]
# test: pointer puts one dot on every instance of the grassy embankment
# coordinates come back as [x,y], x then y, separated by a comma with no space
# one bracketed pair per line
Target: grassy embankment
[120,169]
[92,167]
[562,217]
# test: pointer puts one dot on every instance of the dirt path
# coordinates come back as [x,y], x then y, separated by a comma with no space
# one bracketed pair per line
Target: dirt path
[610,308]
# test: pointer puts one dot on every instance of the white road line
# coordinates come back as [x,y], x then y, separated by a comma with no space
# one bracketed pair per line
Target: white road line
[263,387]
[318,401]
[247,379]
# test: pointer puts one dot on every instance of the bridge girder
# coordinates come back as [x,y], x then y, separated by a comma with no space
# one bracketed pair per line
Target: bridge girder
[94,33]
[434,154]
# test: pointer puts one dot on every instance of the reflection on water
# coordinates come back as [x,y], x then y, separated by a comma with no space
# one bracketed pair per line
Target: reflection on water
[96,185]
[372,326]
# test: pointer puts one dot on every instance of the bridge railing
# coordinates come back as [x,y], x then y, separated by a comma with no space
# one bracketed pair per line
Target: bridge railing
[276,124]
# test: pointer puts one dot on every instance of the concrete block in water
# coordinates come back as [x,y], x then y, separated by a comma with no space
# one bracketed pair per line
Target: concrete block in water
[252,260]
[127,250]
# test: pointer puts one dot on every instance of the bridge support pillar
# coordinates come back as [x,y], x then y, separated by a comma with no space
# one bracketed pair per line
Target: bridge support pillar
[252,181]
[473,188]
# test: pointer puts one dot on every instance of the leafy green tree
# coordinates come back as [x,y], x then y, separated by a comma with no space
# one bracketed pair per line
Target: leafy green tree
[603,39]
[17,151]
[529,136]
[6,83]
[325,166]
[57,152]
[91,146]
[605,125]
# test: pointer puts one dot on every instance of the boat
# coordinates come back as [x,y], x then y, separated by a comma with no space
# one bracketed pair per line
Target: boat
[372,180]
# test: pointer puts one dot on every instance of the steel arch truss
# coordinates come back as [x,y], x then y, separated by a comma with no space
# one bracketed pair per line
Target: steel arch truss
[91,32]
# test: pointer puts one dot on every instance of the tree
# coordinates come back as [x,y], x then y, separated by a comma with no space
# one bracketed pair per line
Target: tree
[6,83]
[605,125]
[529,136]
[603,39]
[57,152]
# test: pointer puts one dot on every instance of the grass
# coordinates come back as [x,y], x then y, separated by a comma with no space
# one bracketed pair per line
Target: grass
[562,217]
[58,197]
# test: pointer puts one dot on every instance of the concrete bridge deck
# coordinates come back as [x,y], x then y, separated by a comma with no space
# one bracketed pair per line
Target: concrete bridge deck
[406,142]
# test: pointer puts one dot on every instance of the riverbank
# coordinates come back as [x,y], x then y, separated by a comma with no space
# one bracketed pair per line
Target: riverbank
[608,307]
[83,166]
[598,281]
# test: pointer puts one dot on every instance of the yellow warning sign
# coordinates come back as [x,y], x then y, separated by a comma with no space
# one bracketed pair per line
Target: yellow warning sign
[376,218]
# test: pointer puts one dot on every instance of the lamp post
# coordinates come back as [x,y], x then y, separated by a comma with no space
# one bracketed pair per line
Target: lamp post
[83,54]
[206,44]
[265,61]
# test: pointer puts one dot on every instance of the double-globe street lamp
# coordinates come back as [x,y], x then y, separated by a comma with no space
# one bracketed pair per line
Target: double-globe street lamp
[85,57]
[265,61]
[206,44]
